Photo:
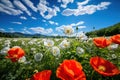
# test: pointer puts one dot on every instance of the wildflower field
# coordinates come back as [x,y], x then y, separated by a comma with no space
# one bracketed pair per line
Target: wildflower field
[60,58]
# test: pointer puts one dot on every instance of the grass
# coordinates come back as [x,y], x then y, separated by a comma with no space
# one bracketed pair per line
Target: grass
[21,71]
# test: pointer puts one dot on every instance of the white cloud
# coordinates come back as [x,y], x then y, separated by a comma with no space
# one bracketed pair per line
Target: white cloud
[49,30]
[5,11]
[2,30]
[77,24]
[21,6]
[83,3]
[16,22]
[83,9]
[43,20]
[68,12]
[8,10]
[7,3]
[52,22]
[65,2]
[43,9]
[80,27]
[41,30]
[61,28]
[24,30]
[59,0]
[30,4]
[54,34]
[34,18]
[23,17]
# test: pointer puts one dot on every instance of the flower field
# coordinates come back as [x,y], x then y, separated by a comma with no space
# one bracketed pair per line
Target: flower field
[60,58]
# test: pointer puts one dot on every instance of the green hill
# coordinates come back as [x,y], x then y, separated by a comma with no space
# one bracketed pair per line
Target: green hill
[108,31]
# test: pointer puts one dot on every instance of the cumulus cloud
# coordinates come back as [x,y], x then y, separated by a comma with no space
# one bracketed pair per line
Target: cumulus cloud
[65,2]
[83,9]
[16,22]
[41,30]
[7,3]
[43,9]
[9,10]
[2,30]
[21,6]
[43,20]
[34,18]
[83,3]
[77,24]
[80,27]
[52,22]
[61,28]
[54,34]
[30,4]
[26,31]
[23,17]
[49,30]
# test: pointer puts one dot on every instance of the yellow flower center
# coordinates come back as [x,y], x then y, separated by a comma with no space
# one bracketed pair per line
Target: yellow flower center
[65,45]
[49,44]
[102,68]
[54,51]
[67,31]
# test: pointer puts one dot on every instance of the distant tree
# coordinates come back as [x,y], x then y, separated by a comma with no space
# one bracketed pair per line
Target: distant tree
[108,31]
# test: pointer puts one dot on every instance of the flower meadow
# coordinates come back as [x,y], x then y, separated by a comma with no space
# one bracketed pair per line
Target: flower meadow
[80,58]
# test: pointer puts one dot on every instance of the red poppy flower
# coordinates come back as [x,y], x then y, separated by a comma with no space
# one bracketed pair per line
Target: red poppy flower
[15,53]
[70,70]
[116,39]
[43,75]
[101,42]
[104,67]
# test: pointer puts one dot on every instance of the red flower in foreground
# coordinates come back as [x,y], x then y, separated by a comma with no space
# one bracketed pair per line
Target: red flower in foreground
[103,66]
[43,75]
[101,42]
[116,39]
[15,53]
[70,70]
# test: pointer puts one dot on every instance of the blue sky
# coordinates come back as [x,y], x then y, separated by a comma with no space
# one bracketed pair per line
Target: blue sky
[49,17]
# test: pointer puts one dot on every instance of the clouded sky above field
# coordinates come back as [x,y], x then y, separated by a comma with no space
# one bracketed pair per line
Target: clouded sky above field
[50,16]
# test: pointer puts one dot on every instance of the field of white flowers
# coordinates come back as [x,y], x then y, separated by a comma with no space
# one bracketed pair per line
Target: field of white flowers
[80,58]
[47,54]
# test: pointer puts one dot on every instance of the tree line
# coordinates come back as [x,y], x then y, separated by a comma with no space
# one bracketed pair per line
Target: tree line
[108,31]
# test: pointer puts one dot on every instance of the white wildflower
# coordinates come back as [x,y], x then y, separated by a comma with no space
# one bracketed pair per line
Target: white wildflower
[82,36]
[68,30]
[48,43]
[57,39]
[113,46]
[64,44]
[22,59]
[55,51]
[4,50]
[33,49]
[38,56]
[23,42]
[7,43]
[15,40]
[80,50]
[114,56]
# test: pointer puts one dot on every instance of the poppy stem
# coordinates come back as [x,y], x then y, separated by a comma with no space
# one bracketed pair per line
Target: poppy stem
[92,74]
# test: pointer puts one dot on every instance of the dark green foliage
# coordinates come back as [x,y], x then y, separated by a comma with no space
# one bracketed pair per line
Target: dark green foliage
[109,31]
